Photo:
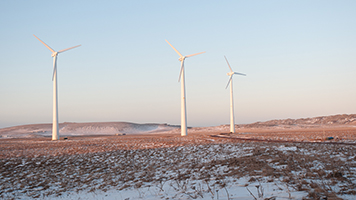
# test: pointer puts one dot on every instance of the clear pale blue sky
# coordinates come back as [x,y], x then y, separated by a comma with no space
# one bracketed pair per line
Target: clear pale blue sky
[299,57]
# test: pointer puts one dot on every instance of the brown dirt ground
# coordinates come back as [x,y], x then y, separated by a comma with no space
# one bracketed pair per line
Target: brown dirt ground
[92,144]
[264,161]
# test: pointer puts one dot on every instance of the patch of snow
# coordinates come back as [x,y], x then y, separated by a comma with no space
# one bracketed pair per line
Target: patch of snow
[284,148]
[81,129]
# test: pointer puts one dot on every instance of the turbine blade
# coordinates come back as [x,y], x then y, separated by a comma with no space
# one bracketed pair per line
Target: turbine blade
[175,49]
[44,44]
[54,66]
[228,81]
[194,54]
[181,70]
[228,64]
[240,74]
[69,48]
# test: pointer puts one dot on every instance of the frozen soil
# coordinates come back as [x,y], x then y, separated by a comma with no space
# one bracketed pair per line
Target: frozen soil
[197,166]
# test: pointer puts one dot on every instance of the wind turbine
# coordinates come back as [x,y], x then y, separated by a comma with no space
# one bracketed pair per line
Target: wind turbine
[183,101]
[55,135]
[232,117]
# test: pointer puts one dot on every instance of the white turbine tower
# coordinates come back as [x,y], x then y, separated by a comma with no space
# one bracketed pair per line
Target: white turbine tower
[232,117]
[183,101]
[55,135]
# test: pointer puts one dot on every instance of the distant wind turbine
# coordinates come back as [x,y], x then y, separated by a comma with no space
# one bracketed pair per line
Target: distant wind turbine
[183,101]
[232,117]
[55,135]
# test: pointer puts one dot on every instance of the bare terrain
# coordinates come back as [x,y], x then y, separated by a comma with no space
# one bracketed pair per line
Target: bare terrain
[278,160]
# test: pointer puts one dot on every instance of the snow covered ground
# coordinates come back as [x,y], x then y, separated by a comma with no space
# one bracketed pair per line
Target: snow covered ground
[215,169]
[256,163]
[239,189]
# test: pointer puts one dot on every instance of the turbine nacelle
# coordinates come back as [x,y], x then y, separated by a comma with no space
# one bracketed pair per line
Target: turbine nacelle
[182,58]
[230,73]
[54,54]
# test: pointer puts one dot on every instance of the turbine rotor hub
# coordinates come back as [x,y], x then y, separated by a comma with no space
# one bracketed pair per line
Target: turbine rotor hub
[54,54]
[182,58]
[230,73]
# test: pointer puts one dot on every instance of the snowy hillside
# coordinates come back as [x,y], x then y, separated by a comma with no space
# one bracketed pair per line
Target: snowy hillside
[76,129]
[331,120]
[121,128]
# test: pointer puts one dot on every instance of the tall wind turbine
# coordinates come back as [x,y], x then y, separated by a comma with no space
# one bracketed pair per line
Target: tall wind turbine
[232,117]
[183,101]
[55,135]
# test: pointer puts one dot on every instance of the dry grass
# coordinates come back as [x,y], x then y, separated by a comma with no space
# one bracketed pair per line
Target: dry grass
[39,167]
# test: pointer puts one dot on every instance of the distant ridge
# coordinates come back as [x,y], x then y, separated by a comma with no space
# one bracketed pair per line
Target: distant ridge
[127,128]
[82,129]
[342,119]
